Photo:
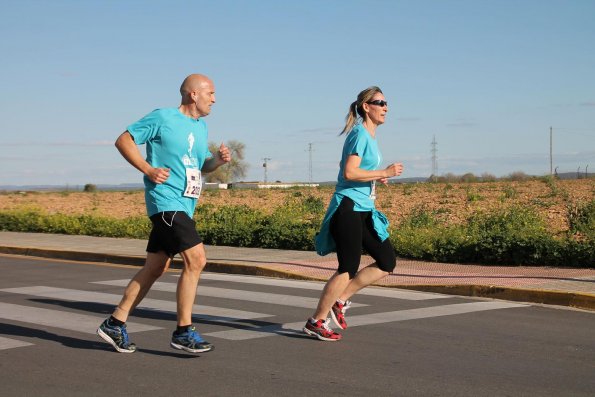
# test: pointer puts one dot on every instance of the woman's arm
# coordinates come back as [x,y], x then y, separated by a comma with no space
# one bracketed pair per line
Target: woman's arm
[353,172]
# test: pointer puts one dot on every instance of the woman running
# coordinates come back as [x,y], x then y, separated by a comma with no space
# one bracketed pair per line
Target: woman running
[352,221]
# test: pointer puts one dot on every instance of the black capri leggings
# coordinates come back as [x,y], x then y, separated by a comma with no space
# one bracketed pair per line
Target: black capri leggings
[352,231]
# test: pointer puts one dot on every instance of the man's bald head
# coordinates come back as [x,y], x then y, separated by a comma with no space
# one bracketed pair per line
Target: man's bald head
[198,94]
[193,83]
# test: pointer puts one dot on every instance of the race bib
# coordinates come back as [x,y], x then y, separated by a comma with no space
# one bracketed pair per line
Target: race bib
[373,192]
[193,183]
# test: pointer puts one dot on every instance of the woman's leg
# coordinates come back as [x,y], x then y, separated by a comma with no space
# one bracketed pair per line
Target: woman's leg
[332,290]
[346,228]
[384,254]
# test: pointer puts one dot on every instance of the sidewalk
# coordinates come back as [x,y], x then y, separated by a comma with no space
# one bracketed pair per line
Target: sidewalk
[557,286]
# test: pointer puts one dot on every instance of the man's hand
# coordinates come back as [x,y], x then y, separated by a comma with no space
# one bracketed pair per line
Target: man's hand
[224,154]
[158,175]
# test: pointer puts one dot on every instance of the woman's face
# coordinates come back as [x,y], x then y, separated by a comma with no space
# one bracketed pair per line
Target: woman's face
[376,108]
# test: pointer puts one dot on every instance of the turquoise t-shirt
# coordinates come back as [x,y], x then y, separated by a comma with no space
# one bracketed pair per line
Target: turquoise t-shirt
[177,142]
[361,143]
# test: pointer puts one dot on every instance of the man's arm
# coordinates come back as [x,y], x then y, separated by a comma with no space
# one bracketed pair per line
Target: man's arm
[223,156]
[129,150]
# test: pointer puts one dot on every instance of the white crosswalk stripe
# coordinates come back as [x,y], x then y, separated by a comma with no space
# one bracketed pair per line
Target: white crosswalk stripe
[226,293]
[368,319]
[202,311]
[232,320]
[7,343]
[60,319]
[318,286]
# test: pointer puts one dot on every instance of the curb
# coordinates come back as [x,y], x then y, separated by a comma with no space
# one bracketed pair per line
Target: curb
[547,297]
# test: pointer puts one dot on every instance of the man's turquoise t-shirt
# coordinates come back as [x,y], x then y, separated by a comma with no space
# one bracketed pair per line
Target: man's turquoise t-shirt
[177,142]
[361,143]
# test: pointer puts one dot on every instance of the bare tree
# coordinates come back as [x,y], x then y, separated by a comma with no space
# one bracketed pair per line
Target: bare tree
[235,169]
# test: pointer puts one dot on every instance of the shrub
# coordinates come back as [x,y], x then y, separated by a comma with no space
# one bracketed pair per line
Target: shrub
[581,218]
[90,188]
[514,235]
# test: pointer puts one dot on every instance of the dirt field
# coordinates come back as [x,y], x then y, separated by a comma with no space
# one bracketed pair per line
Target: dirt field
[454,202]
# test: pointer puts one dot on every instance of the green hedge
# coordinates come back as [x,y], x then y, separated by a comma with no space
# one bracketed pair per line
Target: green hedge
[90,225]
[514,236]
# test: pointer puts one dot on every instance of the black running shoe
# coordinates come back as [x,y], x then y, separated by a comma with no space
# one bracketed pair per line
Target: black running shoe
[190,341]
[116,336]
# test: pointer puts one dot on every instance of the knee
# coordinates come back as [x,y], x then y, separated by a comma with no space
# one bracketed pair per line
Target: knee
[155,272]
[350,272]
[389,265]
[196,264]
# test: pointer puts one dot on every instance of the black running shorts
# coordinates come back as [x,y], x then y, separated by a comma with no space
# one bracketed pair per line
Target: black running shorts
[172,233]
[354,230]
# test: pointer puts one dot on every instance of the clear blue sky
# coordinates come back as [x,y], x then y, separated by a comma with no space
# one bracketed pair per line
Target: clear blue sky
[487,78]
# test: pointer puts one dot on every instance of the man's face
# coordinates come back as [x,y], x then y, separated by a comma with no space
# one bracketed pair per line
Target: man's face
[204,98]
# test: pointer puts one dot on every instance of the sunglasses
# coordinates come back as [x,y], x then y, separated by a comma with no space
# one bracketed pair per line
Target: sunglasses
[378,102]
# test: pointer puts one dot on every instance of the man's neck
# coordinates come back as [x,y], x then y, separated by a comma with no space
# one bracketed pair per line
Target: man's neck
[189,110]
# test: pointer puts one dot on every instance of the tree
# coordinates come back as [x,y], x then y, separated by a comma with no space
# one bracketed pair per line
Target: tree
[90,188]
[232,171]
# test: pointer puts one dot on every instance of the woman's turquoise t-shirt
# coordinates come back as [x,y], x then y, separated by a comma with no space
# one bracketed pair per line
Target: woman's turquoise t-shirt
[361,143]
[358,142]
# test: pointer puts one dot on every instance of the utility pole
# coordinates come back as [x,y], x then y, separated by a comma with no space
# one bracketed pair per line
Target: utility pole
[310,162]
[265,167]
[551,159]
[434,159]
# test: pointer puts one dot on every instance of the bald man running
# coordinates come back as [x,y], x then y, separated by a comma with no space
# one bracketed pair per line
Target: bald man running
[177,154]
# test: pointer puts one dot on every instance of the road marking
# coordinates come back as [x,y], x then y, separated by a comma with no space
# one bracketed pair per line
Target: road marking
[369,319]
[250,296]
[7,343]
[60,319]
[210,312]
[319,285]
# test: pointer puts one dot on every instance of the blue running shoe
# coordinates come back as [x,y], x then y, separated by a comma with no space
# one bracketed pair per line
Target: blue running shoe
[190,341]
[116,336]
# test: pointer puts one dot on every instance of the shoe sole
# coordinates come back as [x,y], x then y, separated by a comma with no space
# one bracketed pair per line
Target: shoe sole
[189,350]
[320,337]
[336,321]
[109,340]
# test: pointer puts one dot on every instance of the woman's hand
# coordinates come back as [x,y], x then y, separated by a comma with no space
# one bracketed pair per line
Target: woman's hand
[395,169]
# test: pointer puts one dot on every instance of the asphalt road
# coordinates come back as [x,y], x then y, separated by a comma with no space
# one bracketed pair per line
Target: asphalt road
[399,343]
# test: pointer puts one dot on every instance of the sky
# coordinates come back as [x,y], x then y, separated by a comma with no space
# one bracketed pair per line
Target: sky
[486,79]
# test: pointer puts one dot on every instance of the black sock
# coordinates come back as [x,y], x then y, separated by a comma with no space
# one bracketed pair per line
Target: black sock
[180,329]
[114,321]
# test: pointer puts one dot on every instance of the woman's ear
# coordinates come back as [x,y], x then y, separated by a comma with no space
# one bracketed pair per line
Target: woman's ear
[365,107]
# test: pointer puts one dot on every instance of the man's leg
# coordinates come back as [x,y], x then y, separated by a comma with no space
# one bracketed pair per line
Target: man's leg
[194,262]
[186,337]
[113,329]
[155,265]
